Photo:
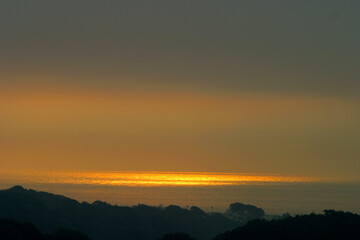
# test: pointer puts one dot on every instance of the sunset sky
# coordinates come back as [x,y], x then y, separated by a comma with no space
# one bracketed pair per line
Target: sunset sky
[260,87]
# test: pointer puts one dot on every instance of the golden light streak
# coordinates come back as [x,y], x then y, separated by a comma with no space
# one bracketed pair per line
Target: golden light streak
[159,178]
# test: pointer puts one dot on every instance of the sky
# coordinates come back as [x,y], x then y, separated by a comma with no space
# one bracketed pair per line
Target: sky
[264,87]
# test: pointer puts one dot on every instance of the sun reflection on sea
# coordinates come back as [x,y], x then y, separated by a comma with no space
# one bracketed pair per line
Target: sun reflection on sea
[160,178]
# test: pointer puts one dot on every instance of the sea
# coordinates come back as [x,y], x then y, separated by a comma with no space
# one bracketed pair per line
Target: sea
[213,192]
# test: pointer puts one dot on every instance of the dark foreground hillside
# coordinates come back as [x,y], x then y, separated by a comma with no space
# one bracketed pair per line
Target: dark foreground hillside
[102,221]
[14,230]
[332,225]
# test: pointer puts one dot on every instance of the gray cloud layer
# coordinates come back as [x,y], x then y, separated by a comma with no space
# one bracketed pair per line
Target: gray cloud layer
[252,46]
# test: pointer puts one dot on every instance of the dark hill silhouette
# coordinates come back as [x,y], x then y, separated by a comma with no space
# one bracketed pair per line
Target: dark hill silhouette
[176,236]
[102,221]
[14,230]
[332,225]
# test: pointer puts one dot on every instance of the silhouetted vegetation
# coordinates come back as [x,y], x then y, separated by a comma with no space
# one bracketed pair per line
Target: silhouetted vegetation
[243,213]
[331,225]
[14,230]
[102,221]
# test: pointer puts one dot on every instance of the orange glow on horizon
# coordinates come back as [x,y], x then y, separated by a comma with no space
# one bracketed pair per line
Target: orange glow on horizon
[78,129]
